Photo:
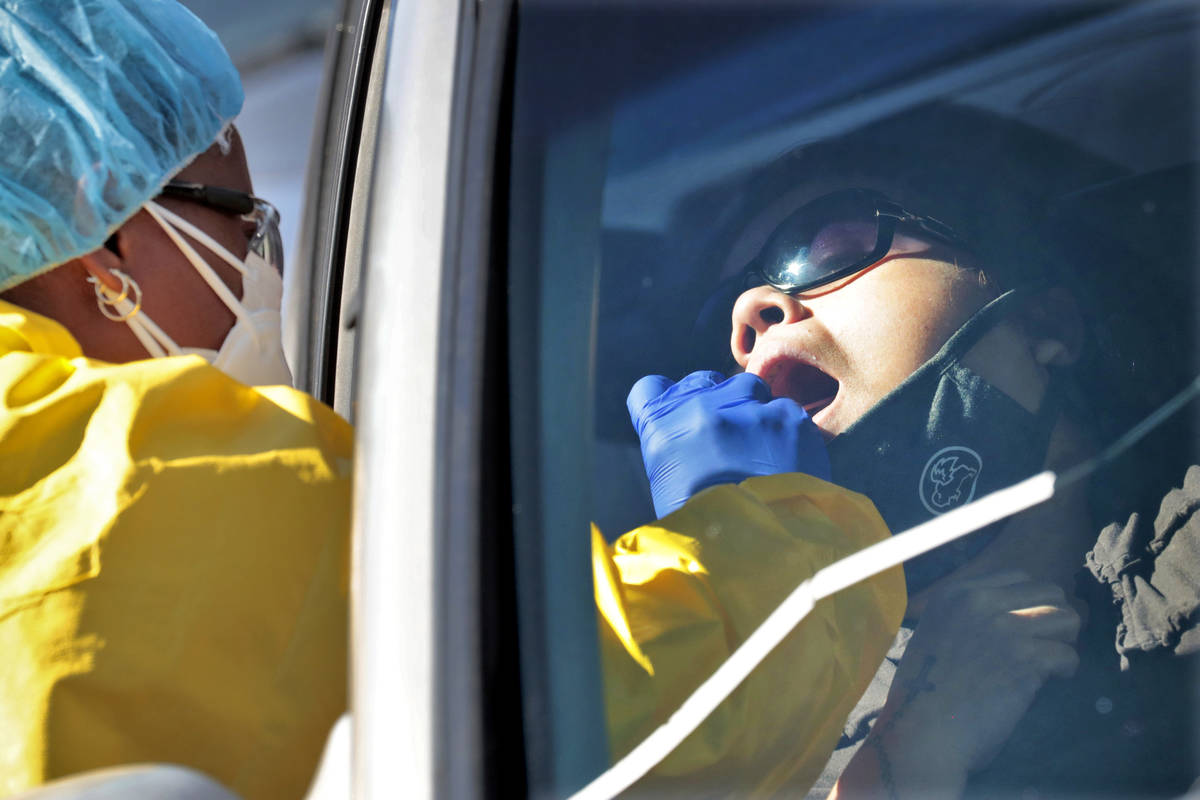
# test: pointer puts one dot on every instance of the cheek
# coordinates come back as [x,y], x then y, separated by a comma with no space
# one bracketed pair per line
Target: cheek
[882,339]
[177,298]
[889,328]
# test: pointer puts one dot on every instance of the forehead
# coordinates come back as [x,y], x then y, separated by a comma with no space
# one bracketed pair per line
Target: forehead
[220,169]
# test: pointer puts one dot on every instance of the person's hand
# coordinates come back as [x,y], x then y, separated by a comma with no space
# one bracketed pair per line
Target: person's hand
[980,653]
[707,430]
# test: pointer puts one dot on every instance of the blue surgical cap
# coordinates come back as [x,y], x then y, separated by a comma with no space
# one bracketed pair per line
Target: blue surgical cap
[101,102]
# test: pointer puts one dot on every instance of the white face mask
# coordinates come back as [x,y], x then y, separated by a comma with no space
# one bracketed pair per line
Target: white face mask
[252,352]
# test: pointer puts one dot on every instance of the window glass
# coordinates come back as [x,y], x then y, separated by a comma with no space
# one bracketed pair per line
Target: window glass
[984,218]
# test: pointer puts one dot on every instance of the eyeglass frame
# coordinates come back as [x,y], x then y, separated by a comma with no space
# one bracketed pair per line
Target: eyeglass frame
[266,240]
[889,213]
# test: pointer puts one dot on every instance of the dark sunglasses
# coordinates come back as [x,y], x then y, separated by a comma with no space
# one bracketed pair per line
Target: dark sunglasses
[836,235]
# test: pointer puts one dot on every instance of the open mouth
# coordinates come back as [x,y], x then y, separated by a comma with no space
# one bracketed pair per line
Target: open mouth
[807,385]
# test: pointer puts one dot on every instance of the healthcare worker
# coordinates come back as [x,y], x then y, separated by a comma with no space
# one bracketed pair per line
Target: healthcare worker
[172,540]
[174,518]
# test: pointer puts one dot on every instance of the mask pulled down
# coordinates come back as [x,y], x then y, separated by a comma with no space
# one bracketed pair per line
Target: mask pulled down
[940,439]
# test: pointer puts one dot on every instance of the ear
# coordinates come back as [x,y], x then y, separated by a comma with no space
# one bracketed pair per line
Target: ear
[100,264]
[1052,321]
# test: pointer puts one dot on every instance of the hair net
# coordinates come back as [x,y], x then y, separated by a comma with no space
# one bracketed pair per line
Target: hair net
[101,102]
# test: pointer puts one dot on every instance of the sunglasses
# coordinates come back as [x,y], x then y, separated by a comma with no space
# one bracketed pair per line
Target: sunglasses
[266,240]
[833,236]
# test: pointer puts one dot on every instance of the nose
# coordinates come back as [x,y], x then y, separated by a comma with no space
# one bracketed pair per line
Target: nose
[755,312]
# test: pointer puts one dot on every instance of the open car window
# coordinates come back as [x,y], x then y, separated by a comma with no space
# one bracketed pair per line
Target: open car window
[656,149]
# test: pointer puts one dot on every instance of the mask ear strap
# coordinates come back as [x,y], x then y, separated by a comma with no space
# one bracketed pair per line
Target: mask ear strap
[161,212]
[121,307]
[169,221]
[1053,401]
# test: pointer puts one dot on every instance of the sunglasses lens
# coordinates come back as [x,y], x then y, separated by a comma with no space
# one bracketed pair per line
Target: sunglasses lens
[820,242]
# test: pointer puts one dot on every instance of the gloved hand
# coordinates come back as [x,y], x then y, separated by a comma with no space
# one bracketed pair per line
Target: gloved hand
[706,430]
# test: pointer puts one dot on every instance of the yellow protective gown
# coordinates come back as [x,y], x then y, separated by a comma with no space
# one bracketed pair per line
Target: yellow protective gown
[173,552]
[172,586]
[675,598]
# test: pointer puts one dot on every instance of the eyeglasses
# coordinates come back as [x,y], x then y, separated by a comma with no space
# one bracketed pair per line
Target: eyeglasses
[833,236]
[266,241]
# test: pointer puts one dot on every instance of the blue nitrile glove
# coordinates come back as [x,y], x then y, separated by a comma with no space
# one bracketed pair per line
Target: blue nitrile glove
[706,430]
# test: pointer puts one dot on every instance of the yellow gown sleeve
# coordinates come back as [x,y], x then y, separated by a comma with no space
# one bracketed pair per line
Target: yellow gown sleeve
[676,597]
[173,561]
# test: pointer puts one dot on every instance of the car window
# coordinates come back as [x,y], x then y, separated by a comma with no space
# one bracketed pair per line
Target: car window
[662,155]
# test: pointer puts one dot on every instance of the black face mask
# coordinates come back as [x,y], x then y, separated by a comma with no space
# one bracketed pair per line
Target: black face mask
[940,439]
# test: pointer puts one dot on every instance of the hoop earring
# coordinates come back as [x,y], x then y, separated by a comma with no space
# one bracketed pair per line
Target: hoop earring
[107,299]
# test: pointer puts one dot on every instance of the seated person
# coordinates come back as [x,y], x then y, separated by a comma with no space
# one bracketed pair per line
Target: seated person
[910,305]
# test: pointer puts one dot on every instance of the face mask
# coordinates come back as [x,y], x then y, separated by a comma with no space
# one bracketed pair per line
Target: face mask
[940,439]
[252,351]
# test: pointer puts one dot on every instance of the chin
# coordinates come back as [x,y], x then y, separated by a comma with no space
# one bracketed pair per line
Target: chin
[828,420]
[839,415]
